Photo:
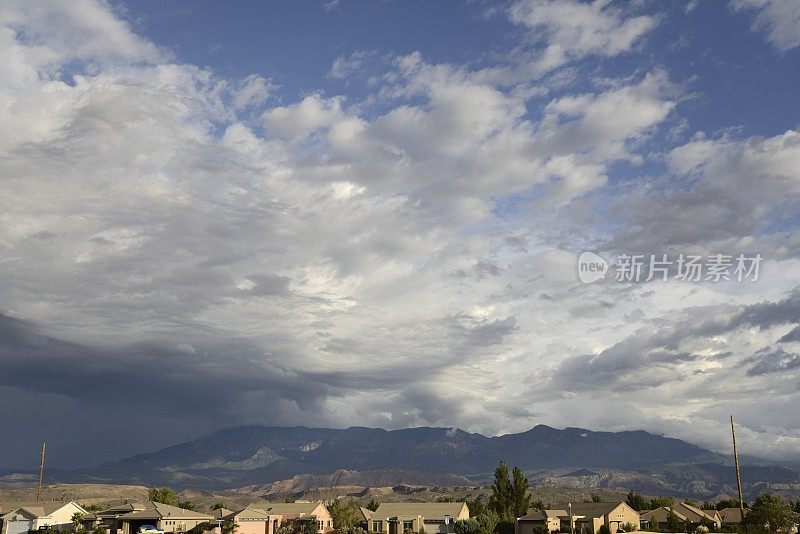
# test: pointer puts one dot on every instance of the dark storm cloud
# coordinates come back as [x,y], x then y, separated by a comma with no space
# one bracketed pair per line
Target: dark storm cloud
[150,376]
[768,361]
[633,361]
[793,335]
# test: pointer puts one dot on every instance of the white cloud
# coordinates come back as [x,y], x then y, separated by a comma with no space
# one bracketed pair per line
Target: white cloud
[573,29]
[304,118]
[252,91]
[780,19]
[344,66]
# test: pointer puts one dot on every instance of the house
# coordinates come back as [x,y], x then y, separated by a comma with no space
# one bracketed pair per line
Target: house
[364,517]
[219,513]
[108,518]
[661,516]
[588,517]
[25,517]
[730,517]
[253,520]
[167,518]
[427,517]
[298,514]
[687,514]
[698,516]
[550,519]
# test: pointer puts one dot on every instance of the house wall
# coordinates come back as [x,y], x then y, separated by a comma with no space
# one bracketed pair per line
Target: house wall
[19,526]
[252,527]
[60,519]
[179,525]
[526,527]
[324,517]
[619,516]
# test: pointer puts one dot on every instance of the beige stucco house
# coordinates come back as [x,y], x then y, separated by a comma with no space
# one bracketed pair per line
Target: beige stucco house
[588,517]
[253,520]
[298,514]
[163,516]
[25,517]
[688,515]
[550,519]
[432,518]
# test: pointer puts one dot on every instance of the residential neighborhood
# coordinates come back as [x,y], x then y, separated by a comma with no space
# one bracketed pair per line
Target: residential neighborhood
[314,517]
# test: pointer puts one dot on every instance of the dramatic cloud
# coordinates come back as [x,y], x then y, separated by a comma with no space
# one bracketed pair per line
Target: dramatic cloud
[200,250]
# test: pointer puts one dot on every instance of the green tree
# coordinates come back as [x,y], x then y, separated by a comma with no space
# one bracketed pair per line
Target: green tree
[372,505]
[285,529]
[673,521]
[162,495]
[596,498]
[660,502]
[76,520]
[770,512]
[727,503]
[604,529]
[539,529]
[466,526]
[636,501]
[311,527]
[501,501]
[487,522]
[476,506]
[218,506]
[520,496]
[228,527]
[201,528]
[99,530]
[654,525]
[344,513]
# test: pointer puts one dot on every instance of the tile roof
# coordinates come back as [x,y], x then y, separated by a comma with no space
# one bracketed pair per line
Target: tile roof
[540,515]
[157,510]
[731,515]
[428,510]
[290,508]
[590,509]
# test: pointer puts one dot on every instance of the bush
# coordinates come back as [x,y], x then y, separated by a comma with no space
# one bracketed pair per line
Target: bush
[604,530]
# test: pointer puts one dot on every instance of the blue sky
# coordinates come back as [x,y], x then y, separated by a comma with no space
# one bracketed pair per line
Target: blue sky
[371,213]
[711,47]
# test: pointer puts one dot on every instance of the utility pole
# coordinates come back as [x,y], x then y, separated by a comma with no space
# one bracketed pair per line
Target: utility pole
[41,475]
[571,521]
[736,461]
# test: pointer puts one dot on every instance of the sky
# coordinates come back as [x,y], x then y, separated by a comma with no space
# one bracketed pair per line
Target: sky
[373,213]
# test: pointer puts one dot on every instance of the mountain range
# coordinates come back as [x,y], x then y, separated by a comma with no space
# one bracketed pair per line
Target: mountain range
[356,456]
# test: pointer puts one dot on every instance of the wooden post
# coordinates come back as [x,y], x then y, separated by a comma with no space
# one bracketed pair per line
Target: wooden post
[41,475]
[738,476]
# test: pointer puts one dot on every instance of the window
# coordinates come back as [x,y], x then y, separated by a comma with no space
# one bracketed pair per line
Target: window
[408,525]
[377,526]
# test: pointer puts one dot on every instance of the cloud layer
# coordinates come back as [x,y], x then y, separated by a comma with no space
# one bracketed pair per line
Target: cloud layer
[194,251]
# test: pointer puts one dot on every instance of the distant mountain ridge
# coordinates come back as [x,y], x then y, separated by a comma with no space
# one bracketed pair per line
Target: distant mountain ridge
[255,454]
[301,457]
